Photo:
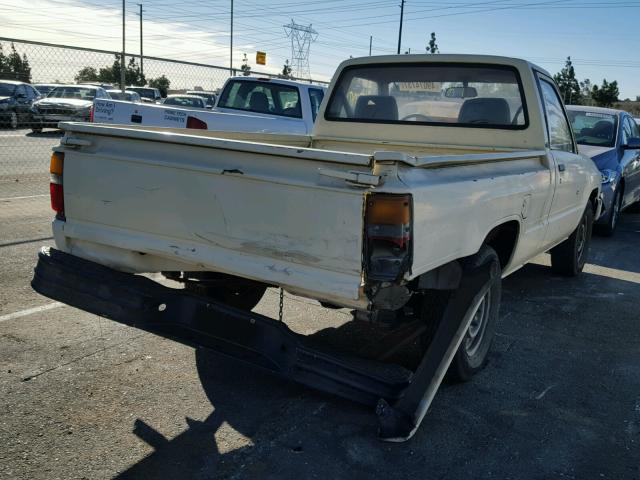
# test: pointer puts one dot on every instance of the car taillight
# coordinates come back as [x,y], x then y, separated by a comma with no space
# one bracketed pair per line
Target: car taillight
[91,113]
[388,235]
[193,122]
[56,190]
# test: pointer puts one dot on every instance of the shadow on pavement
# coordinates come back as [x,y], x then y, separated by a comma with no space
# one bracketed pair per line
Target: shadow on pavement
[557,400]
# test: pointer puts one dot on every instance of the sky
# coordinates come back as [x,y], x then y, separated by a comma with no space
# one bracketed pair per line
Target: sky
[600,36]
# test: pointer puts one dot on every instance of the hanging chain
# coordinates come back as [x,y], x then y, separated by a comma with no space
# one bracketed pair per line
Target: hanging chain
[281,304]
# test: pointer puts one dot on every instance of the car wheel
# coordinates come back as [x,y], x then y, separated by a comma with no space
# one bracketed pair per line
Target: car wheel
[568,258]
[472,353]
[13,120]
[607,229]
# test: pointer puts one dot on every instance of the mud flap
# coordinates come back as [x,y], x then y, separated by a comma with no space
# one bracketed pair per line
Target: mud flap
[398,421]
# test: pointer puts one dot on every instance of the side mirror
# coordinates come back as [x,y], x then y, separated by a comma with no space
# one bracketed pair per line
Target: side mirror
[21,95]
[460,92]
[633,143]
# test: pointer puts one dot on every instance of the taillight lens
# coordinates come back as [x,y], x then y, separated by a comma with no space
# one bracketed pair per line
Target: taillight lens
[388,231]
[91,113]
[56,189]
[193,122]
[57,198]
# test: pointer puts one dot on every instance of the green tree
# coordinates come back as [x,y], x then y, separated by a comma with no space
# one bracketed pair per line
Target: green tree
[14,66]
[568,84]
[87,74]
[162,83]
[432,46]
[132,73]
[286,70]
[606,95]
[585,92]
[245,67]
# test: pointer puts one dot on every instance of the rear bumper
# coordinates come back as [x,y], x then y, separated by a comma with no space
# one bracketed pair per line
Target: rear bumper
[246,336]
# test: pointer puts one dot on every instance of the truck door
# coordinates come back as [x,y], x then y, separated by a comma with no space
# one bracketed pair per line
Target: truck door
[567,205]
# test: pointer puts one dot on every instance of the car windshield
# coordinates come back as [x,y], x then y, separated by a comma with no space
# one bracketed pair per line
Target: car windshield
[146,92]
[81,93]
[210,98]
[7,89]
[261,97]
[593,128]
[457,95]
[185,102]
[44,89]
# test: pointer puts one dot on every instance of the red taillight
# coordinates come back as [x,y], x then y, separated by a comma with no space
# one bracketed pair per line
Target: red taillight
[193,122]
[91,113]
[56,190]
[388,221]
[57,198]
[388,218]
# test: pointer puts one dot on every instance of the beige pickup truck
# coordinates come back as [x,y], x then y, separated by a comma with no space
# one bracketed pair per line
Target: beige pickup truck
[427,179]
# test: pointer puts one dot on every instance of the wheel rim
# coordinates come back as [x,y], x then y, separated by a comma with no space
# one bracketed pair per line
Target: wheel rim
[615,213]
[477,327]
[14,120]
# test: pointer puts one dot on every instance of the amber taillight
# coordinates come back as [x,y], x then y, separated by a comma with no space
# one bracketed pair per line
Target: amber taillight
[388,235]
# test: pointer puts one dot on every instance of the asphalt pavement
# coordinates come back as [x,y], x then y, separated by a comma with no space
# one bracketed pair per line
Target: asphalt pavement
[85,398]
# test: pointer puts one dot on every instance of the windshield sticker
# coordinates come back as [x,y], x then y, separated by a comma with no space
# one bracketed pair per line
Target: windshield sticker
[599,115]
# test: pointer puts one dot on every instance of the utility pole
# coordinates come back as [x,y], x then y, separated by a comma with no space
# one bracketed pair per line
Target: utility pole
[231,47]
[400,31]
[370,42]
[141,54]
[122,66]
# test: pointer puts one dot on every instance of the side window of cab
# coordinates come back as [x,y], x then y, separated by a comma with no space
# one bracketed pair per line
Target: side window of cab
[560,137]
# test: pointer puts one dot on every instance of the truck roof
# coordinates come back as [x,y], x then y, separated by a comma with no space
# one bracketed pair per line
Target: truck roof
[282,81]
[587,108]
[443,58]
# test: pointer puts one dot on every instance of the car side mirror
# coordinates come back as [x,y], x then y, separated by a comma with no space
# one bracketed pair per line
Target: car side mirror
[632,143]
[21,95]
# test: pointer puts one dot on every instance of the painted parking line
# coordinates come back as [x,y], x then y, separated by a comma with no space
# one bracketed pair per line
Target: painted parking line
[30,311]
[7,199]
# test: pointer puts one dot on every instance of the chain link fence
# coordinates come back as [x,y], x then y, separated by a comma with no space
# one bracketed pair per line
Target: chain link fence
[24,154]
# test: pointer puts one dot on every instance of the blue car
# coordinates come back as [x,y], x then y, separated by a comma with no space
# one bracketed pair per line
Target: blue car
[612,139]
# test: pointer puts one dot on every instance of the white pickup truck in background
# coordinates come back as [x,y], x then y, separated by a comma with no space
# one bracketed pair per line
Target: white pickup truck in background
[246,104]
[427,179]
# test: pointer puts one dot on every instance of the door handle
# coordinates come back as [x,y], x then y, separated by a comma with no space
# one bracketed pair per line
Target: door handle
[561,167]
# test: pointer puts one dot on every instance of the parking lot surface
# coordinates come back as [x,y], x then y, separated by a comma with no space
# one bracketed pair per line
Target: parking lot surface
[85,398]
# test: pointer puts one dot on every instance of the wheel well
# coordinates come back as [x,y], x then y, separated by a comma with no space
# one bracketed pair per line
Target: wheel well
[503,239]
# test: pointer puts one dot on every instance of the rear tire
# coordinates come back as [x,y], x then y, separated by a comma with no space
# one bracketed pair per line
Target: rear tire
[13,120]
[568,258]
[472,354]
[609,228]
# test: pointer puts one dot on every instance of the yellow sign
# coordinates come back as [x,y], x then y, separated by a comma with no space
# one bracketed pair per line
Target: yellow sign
[261,58]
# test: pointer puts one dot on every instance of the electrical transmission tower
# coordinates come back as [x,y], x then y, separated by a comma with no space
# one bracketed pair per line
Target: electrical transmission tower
[301,38]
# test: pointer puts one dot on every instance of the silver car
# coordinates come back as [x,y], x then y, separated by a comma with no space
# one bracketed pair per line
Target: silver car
[65,103]
[127,96]
[612,139]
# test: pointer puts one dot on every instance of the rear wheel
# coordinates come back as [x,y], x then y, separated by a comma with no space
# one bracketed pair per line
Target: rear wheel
[472,353]
[568,258]
[13,120]
[607,229]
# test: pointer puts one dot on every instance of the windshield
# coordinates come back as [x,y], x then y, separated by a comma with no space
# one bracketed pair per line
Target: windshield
[81,93]
[449,95]
[593,128]
[185,102]
[261,97]
[44,89]
[145,92]
[210,98]
[7,89]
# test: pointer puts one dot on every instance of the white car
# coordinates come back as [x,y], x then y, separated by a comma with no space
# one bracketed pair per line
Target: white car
[65,103]
[393,206]
[185,101]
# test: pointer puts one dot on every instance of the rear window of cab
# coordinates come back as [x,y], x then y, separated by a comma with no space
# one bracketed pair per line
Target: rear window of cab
[458,95]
